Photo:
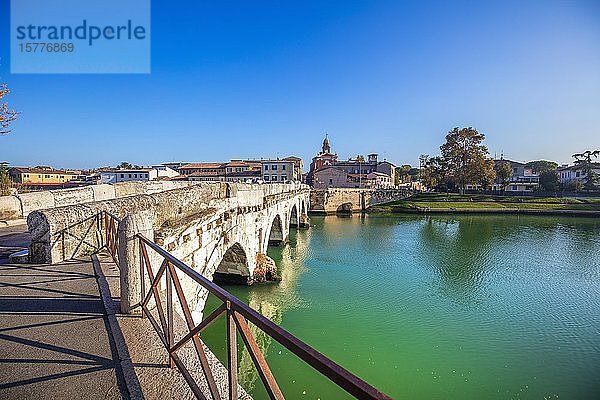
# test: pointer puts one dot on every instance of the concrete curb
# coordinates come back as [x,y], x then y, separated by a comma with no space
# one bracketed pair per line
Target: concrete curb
[132,383]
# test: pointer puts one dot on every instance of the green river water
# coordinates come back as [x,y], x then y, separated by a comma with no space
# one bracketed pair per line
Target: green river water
[441,307]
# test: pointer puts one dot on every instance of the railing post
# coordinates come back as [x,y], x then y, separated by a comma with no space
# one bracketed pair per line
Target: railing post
[232,353]
[169,332]
[129,256]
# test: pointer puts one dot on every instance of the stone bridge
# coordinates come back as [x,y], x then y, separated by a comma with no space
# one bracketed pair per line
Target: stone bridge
[349,200]
[221,230]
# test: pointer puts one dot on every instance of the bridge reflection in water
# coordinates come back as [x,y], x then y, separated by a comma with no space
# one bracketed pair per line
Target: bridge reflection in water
[271,300]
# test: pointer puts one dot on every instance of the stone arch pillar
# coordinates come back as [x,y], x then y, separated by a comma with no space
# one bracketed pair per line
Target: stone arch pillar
[233,267]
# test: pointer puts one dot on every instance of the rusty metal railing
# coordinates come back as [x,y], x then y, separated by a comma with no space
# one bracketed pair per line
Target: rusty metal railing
[111,237]
[238,314]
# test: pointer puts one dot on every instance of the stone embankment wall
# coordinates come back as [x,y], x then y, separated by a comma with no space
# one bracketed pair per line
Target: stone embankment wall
[20,205]
[334,200]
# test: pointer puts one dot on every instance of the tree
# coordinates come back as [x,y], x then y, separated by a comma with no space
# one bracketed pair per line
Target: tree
[435,173]
[549,180]
[5,182]
[542,166]
[585,161]
[125,165]
[7,114]
[402,173]
[465,156]
[488,173]
[414,174]
[503,172]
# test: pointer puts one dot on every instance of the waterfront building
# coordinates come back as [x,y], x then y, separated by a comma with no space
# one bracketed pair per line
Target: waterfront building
[327,171]
[568,174]
[324,158]
[298,167]
[278,171]
[522,179]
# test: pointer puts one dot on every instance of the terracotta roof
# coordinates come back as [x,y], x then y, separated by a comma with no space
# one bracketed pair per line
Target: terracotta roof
[237,163]
[42,171]
[201,165]
[276,161]
[133,170]
[205,173]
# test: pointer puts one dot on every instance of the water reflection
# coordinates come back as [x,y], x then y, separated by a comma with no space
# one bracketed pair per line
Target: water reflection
[273,300]
[465,250]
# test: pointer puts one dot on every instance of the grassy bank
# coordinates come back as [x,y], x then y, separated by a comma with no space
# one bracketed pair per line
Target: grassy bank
[454,202]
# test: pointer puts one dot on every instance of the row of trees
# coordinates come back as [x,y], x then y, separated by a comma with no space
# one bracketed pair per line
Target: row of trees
[464,160]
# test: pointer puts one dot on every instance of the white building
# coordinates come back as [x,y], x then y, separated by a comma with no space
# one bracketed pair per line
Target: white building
[126,175]
[569,174]
[279,171]
[522,179]
[164,171]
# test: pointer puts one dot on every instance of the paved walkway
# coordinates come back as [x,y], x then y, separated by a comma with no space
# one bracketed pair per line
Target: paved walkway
[54,342]
[61,339]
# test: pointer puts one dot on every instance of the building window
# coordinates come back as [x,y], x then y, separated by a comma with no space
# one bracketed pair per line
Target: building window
[274,178]
[266,167]
[122,175]
[135,175]
[266,177]
[283,167]
[514,187]
[130,175]
[283,178]
[273,167]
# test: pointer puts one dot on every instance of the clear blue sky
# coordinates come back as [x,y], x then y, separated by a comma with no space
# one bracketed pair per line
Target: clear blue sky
[266,79]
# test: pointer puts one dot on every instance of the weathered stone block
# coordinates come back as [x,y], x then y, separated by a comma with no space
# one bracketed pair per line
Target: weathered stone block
[35,201]
[10,208]
[103,192]
[66,197]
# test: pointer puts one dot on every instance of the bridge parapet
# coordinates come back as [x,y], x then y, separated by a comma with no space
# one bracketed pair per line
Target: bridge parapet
[65,232]
[332,200]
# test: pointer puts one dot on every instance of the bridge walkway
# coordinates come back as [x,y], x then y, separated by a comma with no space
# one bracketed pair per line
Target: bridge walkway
[148,374]
[54,341]
[62,336]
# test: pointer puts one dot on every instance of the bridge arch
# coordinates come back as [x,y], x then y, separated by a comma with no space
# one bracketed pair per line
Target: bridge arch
[233,267]
[294,216]
[276,237]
